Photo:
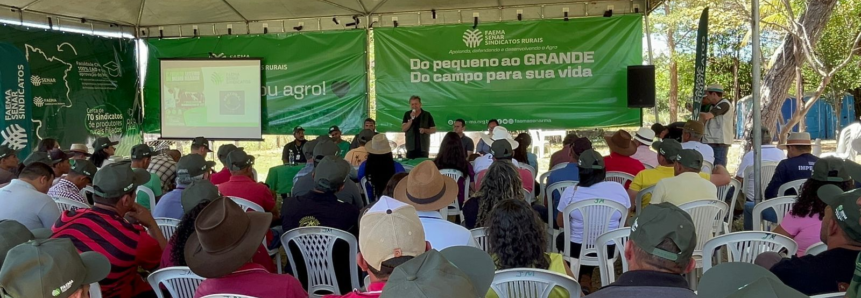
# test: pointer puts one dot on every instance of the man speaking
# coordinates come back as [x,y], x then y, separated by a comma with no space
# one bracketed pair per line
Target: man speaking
[418,125]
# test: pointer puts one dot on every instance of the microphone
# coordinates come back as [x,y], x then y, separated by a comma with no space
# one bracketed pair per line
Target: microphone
[413,117]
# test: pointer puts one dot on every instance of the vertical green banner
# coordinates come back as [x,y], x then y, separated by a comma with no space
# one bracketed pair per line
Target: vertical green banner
[16,125]
[700,64]
[548,74]
[313,80]
[83,87]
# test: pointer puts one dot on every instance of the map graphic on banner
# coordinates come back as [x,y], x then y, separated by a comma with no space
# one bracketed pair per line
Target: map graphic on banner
[83,87]
[548,74]
[314,80]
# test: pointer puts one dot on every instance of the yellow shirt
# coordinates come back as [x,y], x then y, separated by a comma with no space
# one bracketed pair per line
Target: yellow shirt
[650,177]
[357,156]
[557,265]
[684,188]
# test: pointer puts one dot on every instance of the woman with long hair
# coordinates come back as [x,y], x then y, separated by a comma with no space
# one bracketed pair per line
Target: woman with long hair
[46,145]
[804,221]
[103,149]
[452,156]
[501,182]
[379,167]
[522,154]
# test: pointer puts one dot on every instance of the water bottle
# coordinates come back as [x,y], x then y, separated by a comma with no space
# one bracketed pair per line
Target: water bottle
[292,159]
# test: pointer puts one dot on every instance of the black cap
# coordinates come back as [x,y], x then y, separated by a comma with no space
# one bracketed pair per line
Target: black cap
[141,151]
[201,141]
[334,128]
[298,129]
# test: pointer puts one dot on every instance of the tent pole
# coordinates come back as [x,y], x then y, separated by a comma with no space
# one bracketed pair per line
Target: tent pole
[757,113]
[649,49]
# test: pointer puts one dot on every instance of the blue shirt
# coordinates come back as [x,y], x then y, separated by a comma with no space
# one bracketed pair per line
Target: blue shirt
[790,169]
[482,147]
[170,204]
[571,172]
[361,174]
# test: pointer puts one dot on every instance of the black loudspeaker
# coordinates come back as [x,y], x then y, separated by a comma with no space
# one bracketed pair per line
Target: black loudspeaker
[641,86]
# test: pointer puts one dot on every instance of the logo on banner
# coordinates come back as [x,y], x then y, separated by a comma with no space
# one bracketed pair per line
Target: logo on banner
[38,81]
[472,37]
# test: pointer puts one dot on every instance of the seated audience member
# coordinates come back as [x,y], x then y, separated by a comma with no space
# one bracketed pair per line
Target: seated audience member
[453,272]
[294,148]
[241,184]
[379,167]
[13,233]
[351,193]
[483,146]
[370,124]
[335,135]
[659,130]
[103,149]
[568,173]
[222,248]
[190,168]
[25,199]
[358,155]
[798,164]
[643,139]
[832,270]
[429,191]
[163,165]
[675,131]
[692,137]
[503,183]
[501,150]
[200,145]
[744,280]
[51,268]
[668,150]
[663,239]
[459,127]
[391,234]
[8,164]
[517,239]
[620,160]
[452,157]
[70,186]
[79,151]
[223,175]
[522,154]
[320,206]
[499,133]
[141,157]
[803,223]
[128,246]
[47,144]
[60,163]
[770,153]
[564,154]
[308,151]
[687,186]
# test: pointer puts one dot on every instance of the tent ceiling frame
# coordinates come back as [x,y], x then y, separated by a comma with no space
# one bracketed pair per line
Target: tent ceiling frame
[234,10]
[343,7]
[29,4]
[67,17]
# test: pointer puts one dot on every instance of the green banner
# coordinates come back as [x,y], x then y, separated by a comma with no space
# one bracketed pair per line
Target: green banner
[16,124]
[83,87]
[313,80]
[700,64]
[548,74]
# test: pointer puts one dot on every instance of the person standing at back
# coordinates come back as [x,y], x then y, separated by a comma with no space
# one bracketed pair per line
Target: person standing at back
[417,125]
[718,121]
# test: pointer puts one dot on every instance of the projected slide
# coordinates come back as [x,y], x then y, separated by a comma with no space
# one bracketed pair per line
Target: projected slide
[214,98]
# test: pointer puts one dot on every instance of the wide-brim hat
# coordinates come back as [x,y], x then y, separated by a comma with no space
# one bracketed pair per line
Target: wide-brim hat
[645,136]
[426,189]
[379,145]
[621,142]
[499,133]
[80,149]
[796,139]
[225,238]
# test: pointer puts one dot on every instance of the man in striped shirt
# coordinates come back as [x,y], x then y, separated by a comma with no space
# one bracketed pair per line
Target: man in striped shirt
[70,186]
[103,229]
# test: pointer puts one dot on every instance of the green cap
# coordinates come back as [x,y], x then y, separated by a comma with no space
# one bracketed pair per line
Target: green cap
[830,169]
[117,179]
[102,143]
[223,150]
[846,210]
[5,151]
[141,151]
[84,167]
[590,159]
[238,160]
[330,173]
[431,275]
[50,268]
[193,165]
[197,192]
[668,148]
[38,156]
[365,135]
[201,141]
[501,149]
[13,233]
[738,279]
[325,148]
[690,158]
[660,221]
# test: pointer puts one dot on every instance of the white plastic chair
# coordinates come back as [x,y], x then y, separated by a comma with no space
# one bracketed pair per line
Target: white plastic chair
[638,201]
[559,187]
[768,169]
[528,196]
[529,168]
[605,264]
[597,214]
[456,175]
[68,204]
[480,236]
[179,281]
[542,183]
[95,290]
[365,189]
[746,246]
[87,189]
[150,195]
[707,216]
[167,226]
[707,167]
[732,190]
[316,246]
[227,296]
[794,185]
[845,149]
[816,249]
[246,204]
[619,177]
[780,205]
[559,166]
[830,295]
[531,283]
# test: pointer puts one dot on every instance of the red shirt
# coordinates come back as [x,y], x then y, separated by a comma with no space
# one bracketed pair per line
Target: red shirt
[244,187]
[261,257]
[619,163]
[220,177]
[525,178]
[126,246]
[374,291]
[253,280]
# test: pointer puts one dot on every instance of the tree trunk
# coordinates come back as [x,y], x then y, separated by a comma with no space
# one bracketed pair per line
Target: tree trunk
[779,77]
[674,71]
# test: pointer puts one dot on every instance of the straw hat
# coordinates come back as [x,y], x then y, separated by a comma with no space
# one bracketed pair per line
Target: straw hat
[426,189]
[80,148]
[499,133]
[621,143]
[379,144]
[797,139]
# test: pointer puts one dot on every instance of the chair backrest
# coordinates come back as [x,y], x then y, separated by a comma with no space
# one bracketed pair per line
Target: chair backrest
[526,166]
[830,295]
[619,177]
[559,166]
[542,183]
[456,175]
[707,167]
[150,195]
[640,195]
[167,226]
[480,236]
[781,206]
[767,173]
[746,246]
[68,204]
[246,204]
[227,296]
[531,283]
[794,185]
[179,281]
[605,264]
[648,166]
[367,189]
[527,195]
[708,216]
[729,192]
[85,190]
[597,214]
[316,245]
[560,187]
[95,290]
[815,249]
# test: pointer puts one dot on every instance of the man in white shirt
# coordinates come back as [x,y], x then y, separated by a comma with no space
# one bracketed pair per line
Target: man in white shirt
[687,186]
[770,153]
[25,200]
[692,137]
[643,140]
